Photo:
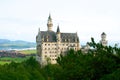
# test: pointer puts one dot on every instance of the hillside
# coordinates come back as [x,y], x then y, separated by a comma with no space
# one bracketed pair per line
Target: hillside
[18,44]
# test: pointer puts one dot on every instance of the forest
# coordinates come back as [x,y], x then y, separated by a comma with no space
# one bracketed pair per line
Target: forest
[99,63]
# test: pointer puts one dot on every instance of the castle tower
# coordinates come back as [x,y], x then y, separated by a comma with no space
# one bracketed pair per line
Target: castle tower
[58,38]
[38,37]
[58,34]
[49,23]
[103,40]
[38,41]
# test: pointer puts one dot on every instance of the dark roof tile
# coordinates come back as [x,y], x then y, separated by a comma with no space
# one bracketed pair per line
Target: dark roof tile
[65,37]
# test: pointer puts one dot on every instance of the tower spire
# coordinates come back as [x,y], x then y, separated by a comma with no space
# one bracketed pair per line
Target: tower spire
[58,29]
[49,23]
[38,30]
[49,18]
[58,34]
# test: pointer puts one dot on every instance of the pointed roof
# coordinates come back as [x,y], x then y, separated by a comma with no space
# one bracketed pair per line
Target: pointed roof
[49,18]
[49,23]
[65,37]
[103,33]
[38,30]
[58,29]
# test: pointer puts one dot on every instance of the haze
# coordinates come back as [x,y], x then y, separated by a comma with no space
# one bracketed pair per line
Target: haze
[20,19]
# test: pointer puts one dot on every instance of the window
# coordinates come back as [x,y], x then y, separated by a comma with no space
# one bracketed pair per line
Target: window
[45,48]
[45,56]
[73,44]
[75,49]
[65,40]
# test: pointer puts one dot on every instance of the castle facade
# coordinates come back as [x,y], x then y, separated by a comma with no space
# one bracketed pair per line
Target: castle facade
[50,44]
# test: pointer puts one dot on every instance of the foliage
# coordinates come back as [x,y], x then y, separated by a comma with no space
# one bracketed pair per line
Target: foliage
[52,72]
[4,60]
[100,63]
[27,70]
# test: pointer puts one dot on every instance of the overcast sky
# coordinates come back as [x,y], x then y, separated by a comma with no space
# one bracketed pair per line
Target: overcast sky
[20,19]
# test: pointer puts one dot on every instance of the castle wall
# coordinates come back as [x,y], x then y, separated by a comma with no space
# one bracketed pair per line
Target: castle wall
[51,50]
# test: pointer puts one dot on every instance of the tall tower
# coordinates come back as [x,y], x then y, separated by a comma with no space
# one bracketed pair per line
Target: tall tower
[58,34]
[103,40]
[38,41]
[49,23]
[58,37]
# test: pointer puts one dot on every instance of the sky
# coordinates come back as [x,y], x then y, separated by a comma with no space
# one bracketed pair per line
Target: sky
[20,19]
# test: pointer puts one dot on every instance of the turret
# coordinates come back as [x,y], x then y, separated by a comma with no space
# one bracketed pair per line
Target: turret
[49,23]
[103,39]
[38,41]
[38,37]
[58,38]
[58,34]
[103,36]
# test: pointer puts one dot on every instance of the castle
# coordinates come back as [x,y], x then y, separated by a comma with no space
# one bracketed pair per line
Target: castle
[51,44]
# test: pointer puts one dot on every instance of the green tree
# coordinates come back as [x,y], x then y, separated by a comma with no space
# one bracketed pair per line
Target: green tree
[98,62]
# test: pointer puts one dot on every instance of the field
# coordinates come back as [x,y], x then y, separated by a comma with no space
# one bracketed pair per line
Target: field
[5,60]
[33,51]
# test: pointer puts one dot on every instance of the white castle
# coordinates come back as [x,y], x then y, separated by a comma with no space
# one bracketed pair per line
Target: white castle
[51,44]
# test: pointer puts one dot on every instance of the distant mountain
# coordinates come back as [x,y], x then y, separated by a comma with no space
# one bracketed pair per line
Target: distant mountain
[6,44]
[4,41]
